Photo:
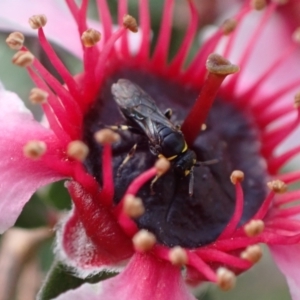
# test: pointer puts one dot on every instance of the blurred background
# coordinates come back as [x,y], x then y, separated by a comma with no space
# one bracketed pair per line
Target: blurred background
[26,256]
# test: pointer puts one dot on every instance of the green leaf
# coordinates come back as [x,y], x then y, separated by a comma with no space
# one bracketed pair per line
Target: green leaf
[61,279]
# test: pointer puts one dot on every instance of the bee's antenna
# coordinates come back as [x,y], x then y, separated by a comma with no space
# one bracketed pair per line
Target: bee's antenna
[191,182]
[207,162]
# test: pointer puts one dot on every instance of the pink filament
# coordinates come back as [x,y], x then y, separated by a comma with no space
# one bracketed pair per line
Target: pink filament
[213,255]
[228,48]
[238,212]
[59,66]
[107,193]
[196,69]
[144,14]
[182,53]
[195,261]
[288,212]
[287,198]
[122,6]
[273,138]
[268,101]
[265,207]
[105,18]
[127,224]
[268,73]
[285,224]
[74,112]
[276,163]
[266,117]
[55,113]
[160,55]
[109,46]
[253,42]
[289,177]
[133,188]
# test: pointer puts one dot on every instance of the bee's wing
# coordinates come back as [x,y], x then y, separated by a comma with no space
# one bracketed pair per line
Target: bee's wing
[139,107]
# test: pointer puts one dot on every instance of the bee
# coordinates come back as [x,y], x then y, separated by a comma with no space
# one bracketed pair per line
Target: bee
[165,139]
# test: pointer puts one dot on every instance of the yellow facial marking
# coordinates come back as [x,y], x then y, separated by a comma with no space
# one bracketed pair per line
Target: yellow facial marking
[185,147]
[172,157]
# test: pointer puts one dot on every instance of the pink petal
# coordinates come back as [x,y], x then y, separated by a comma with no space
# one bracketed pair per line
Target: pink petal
[20,177]
[14,16]
[288,261]
[144,278]
[105,246]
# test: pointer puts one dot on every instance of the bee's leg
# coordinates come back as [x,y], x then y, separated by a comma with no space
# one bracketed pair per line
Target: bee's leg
[168,113]
[124,128]
[126,159]
[152,183]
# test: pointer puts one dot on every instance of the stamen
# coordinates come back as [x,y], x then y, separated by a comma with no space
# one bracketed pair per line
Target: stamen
[54,111]
[123,11]
[130,23]
[239,17]
[15,40]
[182,53]
[251,44]
[229,26]
[277,186]
[275,163]
[90,37]
[276,136]
[23,58]
[221,257]
[144,241]
[218,68]
[37,21]
[234,243]
[297,100]
[290,177]
[283,224]
[35,149]
[144,17]
[258,4]
[195,261]
[296,36]
[254,228]
[162,165]
[160,53]
[226,279]
[105,17]
[78,150]
[237,176]
[287,198]
[252,253]
[264,207]
[38,96]
[133,206]
[217,64]
[106,136]
[106,51]
[178,256]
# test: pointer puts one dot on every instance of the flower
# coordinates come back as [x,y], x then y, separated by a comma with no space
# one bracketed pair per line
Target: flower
[127,205]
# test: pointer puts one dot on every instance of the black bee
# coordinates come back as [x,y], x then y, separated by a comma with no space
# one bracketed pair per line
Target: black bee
[165,139]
